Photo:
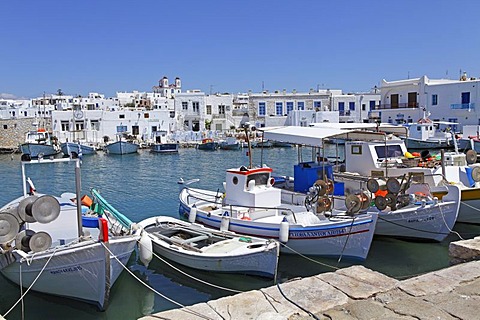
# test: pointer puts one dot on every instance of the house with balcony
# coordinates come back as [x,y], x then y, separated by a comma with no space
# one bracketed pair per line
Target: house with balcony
[404,101]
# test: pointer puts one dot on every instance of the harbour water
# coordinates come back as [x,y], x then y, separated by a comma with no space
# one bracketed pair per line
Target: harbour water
[145,184]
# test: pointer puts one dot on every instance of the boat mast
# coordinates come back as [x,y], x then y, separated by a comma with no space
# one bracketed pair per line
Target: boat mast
[246,126]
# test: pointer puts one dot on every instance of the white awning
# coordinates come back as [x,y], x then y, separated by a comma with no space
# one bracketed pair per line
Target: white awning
[314,136]
[384,127]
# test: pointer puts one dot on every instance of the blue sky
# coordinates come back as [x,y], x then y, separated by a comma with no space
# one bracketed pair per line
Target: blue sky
[232,46]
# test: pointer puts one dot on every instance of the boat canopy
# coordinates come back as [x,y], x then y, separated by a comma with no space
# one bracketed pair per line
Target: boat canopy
[398,130]
[314,136]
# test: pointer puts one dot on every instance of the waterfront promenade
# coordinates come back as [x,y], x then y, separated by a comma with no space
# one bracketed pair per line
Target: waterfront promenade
[356,293]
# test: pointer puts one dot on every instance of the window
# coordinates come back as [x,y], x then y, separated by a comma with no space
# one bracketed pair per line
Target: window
[79,126]
[372,105]
[209,109]
[364,107]
[351,105]
[317,105]
[135,130]
[221,109]
[301,105]
[465,97]
[121,116]
[95,125]
[356,149]
[279,108]
[391,151]
[289,106]
[341,108]
[5,127]
[184,105]
[146,115]
[196,106]
[261,109]
[434,99]
[64,125]
[121,128]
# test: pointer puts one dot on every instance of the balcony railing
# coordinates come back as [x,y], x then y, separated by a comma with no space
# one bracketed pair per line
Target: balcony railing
[397,106]
[468,106]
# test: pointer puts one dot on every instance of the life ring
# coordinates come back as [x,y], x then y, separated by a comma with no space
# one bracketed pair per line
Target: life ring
[272,181]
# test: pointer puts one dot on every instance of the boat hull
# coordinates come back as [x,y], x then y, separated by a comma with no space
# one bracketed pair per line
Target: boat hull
[34,150]
[69,147]
[231,255]
[121,147]
[78,271]
[430,222]
[165,148]
[209,146]
[412,143]
[333,237]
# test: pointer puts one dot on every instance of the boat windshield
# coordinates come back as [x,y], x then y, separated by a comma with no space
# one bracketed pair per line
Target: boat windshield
[260,178]
[391,151]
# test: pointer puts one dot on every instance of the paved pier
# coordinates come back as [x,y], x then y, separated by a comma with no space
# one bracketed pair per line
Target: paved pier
[356,293]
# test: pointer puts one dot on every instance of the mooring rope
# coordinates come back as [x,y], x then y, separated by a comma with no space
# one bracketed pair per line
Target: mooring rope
[33,283]
[153,290]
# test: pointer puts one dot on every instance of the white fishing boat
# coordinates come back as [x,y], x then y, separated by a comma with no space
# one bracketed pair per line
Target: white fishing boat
[252,206]
[47,245]
[403,210]
[425,135]
[39,143]
[162,145]
[230,143]
[199,247]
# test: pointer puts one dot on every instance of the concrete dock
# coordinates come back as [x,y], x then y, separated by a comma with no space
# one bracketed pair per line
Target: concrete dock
[357,293]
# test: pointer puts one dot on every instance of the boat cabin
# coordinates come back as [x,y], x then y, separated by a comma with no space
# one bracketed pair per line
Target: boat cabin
[38,137]
[251,188]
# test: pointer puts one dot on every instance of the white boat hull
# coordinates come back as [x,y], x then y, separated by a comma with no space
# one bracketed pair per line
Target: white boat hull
[260,257]
[121,147]
[78,271]
[333,237]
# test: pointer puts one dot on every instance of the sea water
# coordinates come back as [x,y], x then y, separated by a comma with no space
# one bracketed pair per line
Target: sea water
[144,185]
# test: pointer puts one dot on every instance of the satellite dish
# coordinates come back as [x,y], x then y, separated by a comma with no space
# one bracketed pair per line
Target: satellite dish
[45,209]
[471,156]
[380,203]
[393,185]
[9,227]
[353,203]
[372,185]
[22,240]
[40,241]
[321,187]
[476,173]
[24,209]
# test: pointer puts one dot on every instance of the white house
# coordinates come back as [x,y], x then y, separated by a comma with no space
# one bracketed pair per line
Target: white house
[404,101]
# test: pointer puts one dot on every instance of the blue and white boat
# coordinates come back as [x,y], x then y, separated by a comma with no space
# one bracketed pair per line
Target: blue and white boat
[121,147]
[162,145]
[208,144]
[230,143]
[252,206]
[39,143]
[78,148]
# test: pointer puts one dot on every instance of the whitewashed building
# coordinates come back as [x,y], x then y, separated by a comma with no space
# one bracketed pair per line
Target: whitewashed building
[404,101]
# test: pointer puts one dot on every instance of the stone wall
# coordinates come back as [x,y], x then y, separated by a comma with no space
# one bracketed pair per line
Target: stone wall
[12,132]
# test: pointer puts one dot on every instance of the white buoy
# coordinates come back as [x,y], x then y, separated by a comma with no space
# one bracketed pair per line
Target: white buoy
[284,230]
[225,221]
[145,249]
[192,215]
